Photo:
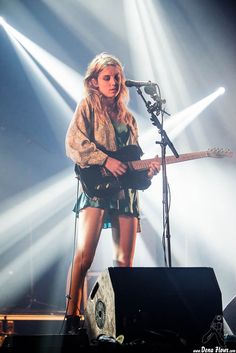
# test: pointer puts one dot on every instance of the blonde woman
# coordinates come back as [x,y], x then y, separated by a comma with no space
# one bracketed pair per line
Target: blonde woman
[102,123]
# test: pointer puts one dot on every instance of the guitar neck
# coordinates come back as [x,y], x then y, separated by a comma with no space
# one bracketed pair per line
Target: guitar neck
[186,157]
[144,164]
[141,164]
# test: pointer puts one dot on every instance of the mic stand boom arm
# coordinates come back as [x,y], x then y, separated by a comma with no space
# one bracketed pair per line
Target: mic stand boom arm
[165,141]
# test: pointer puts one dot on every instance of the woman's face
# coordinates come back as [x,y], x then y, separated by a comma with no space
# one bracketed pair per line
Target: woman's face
[109,81]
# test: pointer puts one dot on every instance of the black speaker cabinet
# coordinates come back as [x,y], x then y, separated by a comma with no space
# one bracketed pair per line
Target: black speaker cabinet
[133,301]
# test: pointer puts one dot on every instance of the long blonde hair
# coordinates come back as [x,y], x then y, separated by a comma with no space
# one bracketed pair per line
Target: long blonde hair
[92,92]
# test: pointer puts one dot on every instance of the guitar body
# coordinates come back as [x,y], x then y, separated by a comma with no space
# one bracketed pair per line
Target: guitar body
[97,181]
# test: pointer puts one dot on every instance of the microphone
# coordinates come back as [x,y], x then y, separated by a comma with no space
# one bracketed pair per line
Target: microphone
[131,83]
[152,91]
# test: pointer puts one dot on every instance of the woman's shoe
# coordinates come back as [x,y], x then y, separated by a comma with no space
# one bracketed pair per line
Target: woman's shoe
[72,325]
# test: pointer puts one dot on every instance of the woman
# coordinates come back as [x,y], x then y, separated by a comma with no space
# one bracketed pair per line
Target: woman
[102,123]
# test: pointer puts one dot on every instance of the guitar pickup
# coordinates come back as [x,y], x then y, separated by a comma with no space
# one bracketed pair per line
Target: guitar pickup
[104,186]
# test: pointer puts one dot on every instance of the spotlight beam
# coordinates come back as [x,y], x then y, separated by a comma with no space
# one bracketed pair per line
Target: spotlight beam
[65,76]
[2,21]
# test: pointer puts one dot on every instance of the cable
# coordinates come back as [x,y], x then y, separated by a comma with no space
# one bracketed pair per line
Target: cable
[68,296]
[165,223]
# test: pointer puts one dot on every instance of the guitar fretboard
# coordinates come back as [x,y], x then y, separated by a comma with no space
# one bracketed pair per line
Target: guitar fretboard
[186,157]
[144,164]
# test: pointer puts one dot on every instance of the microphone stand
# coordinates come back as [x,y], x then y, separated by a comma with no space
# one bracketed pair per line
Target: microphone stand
[155,109]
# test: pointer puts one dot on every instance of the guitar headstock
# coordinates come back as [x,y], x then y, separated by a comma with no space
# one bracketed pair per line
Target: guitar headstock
[219,152]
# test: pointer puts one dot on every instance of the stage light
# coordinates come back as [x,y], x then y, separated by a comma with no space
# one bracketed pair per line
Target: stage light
[221,90]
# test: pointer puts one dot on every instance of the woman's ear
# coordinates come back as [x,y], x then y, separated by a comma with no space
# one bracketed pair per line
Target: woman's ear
[94,82]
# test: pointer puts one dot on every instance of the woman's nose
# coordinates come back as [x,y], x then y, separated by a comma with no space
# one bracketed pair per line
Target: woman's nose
[113,81]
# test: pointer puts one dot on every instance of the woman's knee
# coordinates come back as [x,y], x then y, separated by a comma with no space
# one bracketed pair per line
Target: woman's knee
[83,261]
[122,262]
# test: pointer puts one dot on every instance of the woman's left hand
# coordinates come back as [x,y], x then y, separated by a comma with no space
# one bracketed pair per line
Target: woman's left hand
[154,168]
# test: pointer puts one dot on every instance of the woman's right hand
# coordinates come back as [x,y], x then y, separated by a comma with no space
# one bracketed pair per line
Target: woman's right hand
[115,166]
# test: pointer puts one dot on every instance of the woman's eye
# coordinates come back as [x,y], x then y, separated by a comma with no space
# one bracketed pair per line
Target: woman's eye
[117,78]
[108,78]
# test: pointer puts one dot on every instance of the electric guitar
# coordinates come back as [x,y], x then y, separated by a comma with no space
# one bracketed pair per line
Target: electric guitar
[97,181]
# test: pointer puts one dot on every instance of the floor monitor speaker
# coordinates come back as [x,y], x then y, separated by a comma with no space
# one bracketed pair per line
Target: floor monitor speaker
[229,314]
[185,302]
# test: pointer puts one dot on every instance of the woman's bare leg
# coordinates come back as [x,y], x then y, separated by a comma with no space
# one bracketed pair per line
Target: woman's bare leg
[124,233]
[90,226]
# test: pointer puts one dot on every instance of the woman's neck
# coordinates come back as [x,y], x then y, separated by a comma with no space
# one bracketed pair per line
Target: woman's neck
[109,102]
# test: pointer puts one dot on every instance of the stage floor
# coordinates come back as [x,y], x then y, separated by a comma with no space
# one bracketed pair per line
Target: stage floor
[43,333]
